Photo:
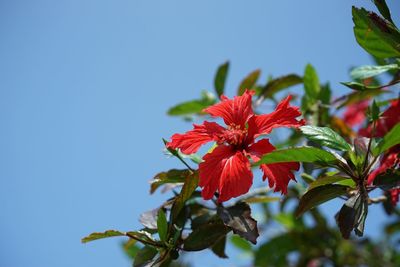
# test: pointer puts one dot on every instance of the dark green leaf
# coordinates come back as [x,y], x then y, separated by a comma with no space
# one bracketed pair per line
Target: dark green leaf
[241,243]
[162,226]
[106,234]
[352,215]
[364,72]
[219,248]
[325,136]
[220,78]
[298,154]
[145,256]
[319,195]
[383,9]
[325,180]
[374,111]
[391,139]
[172,176]
[194,106]
[388,180]
[205,236]
[249,82]
[377,36]
[238,217]
[188,188]
[311,83]
[280,83]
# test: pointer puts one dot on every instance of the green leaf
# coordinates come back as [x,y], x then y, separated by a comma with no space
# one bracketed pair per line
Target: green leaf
[383,9]
[238,217]
[364,72]
[249,82]
[298,154]
[319,195]
[162,226]
[205,236]
[106,234]
[187,190]
[241,243]
[391,139]
[220,78]
[388,180]
[145,256]
[172,176]
[377,36]
[311,83]
[194,106]
[331,180]
[325,136]
[279,84]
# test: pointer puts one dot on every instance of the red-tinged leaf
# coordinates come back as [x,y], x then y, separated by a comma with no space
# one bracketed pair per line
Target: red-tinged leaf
[238,217]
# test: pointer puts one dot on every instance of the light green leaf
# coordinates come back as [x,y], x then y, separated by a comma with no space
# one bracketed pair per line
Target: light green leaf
[261,199]
[106,234]
[249,82]
[377,36]
[194,106]
[241,243]
[364,72]
[331,180]
[391,139]
[325,136]
[311,83]
[298,154]
[220,78]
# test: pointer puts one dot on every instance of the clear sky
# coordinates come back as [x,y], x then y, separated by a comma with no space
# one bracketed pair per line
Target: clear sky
[84,87]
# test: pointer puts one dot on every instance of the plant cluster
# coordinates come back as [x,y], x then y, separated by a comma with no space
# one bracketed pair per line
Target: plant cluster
[345,147]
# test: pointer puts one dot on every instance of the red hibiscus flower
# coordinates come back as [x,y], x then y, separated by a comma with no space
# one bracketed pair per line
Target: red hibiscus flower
[387,121]
[227,168]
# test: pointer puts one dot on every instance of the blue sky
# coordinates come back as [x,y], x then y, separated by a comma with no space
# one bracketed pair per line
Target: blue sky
[84,90]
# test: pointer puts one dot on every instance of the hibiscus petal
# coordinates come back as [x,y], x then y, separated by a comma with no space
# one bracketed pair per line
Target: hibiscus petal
[283,116]
[227,171]
[234,111]
[278,174]
[191,141]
